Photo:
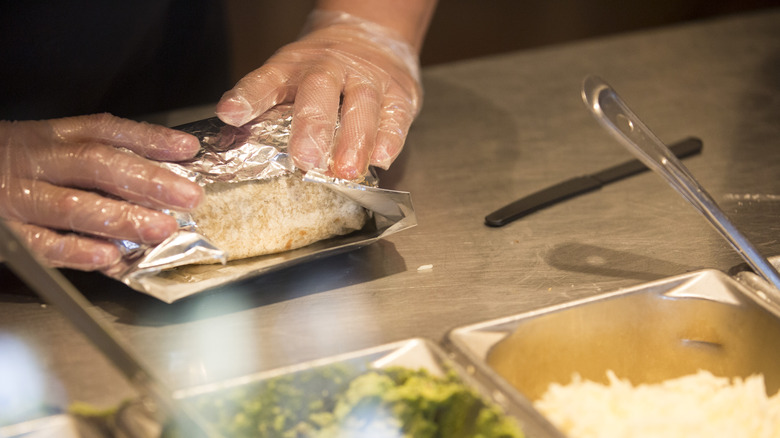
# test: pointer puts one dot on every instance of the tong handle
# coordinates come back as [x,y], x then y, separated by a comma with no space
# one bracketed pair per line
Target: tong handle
[53,287]
[619,120]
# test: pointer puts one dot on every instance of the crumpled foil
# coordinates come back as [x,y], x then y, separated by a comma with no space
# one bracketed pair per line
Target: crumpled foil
[175,268]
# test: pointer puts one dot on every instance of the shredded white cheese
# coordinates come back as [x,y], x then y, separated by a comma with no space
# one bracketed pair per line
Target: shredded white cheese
[697,405]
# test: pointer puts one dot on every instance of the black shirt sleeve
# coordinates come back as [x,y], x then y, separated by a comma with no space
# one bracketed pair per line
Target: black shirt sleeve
[63,58]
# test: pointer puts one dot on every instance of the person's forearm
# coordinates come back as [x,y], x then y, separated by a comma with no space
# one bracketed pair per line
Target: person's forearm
[408,18]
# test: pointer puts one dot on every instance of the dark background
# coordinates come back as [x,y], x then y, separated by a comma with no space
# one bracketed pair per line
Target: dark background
[464,29]
[145,57]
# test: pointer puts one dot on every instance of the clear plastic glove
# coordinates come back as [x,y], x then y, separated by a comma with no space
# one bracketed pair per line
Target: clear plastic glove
[338,55]
[65,188]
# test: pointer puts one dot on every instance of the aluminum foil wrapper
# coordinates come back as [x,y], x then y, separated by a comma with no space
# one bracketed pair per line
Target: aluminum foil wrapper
[174,269]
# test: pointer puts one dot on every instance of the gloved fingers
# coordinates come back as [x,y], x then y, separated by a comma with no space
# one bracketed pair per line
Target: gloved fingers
[67,250]
[315,117]
[357,134]
[148,140]
[128,176]
[337,52]
[257,92]
[44,164]
[396,119]
[68,209]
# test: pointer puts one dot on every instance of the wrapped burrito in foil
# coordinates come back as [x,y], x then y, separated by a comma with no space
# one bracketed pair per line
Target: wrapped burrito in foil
[188,263]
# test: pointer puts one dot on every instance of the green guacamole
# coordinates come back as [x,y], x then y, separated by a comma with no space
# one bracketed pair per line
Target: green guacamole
[336,401]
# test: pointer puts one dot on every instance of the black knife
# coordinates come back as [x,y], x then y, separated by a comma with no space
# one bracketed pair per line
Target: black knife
[580,185]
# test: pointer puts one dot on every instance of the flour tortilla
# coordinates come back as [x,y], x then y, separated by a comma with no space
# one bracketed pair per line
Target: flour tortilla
[254,218]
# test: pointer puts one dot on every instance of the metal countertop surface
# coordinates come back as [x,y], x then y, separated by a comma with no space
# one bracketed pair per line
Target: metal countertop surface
[491,130]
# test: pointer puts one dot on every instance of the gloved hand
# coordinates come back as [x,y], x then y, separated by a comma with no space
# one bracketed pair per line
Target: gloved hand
[339,54]
[65,188]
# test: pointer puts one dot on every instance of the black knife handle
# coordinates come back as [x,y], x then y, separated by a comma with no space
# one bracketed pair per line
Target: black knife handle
[580,185]
[541,199]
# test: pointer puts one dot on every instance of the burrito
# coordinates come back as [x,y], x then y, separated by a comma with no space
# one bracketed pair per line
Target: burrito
[252,218]
[259,211]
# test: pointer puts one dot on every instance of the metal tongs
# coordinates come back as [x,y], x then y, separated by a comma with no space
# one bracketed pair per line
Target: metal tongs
[156,399]
[619,120]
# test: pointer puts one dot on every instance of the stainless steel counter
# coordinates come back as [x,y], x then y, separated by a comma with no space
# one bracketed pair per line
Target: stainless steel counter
[491,130]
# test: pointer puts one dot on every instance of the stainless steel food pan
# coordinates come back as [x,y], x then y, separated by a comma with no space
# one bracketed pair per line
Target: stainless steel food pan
[413,353]
[649,333]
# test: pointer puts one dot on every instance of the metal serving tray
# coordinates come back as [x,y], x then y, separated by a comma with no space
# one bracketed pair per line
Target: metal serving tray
[648,333]
[413,353]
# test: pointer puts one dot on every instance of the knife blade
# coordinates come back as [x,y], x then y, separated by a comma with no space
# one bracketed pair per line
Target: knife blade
[580,185]
[53,287]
